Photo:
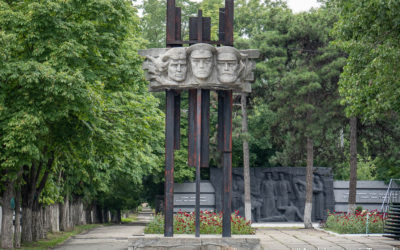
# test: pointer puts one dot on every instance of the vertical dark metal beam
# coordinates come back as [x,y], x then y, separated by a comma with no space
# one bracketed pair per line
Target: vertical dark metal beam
[171,11]
[177,120]
[178,23]
[193,28]
[220,126]
[177,111]
[221,33]
[169,164]
[228,23]
[227,165]
[200,26]
[205,128]
[198,159]
[206,29]
[192,128]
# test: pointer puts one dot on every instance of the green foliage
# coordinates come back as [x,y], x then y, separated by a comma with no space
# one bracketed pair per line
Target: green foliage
[153,22]
[295,95]
[355,223]
[368,31]
[210,223]
[72,90]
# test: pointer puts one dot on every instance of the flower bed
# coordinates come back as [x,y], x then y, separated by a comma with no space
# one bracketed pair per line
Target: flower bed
[210,223]
[355,223]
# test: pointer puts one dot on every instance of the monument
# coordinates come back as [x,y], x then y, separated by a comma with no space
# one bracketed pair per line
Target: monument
[202,66]
[199,66]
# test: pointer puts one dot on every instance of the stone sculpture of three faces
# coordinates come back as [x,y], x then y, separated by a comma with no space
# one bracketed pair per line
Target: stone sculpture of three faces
[201,59]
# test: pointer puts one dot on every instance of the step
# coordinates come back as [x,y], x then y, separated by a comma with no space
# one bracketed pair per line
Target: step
[391,233]
[393,213]
[139,223]
[395,218]
[391,224]
[392,229]
[394,221]
[146,212]
[397,237]
[394,209]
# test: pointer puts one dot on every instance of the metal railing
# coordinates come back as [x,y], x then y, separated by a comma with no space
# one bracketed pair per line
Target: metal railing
[392,195]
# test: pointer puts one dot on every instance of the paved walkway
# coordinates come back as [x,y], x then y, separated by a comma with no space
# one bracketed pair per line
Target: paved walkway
[276,238]
[103,238]
[109,237]
[308,239]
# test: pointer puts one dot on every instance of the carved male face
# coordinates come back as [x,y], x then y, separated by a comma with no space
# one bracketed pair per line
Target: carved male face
[177,66]
[201,61]
[227,67]
[177,69]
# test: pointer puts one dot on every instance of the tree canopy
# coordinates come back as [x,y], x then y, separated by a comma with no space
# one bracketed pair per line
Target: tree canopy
[368,31]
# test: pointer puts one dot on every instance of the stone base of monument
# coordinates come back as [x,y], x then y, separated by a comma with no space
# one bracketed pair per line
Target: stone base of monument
[190,242]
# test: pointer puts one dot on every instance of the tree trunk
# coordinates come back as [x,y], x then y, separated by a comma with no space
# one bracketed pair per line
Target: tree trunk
[105,215]
[88,215]
[81,213]
[7,216]
[43,231]
[353,166]
[97,214]
[116,216]
[26,234]
[37,222]
[309,183]
[64,214]
[119,216]
[34,184]
[71,214]
[246,160]
[54,218]
[17,230]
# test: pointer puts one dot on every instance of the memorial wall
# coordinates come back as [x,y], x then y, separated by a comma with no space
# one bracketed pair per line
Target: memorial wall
[278,194]
[370,194]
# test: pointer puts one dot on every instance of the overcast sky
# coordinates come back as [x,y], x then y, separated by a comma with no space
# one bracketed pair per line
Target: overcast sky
[302,5]
[295,5]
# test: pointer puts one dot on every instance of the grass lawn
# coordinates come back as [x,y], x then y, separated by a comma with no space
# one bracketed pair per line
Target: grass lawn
[54,239]
[130,218]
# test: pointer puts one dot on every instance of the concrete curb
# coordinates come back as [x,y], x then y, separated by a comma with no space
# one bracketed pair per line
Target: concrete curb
[349,235]
[281,225]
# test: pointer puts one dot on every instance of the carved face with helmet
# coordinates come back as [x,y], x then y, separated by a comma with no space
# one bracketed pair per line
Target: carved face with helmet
[201,58]
[229,64]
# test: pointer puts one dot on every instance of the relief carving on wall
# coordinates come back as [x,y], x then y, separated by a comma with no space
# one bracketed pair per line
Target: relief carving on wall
[200,66]
[279,193]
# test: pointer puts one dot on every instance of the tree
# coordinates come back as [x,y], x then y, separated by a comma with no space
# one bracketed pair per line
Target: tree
[246,159]
[69,66]
[368,31]
[353,166]
[297,76]
[153,21]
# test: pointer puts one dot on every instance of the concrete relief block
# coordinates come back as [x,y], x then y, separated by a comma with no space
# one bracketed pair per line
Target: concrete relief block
[200,66]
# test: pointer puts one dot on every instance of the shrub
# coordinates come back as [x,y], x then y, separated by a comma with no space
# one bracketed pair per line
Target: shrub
[355,223]
[210,223]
